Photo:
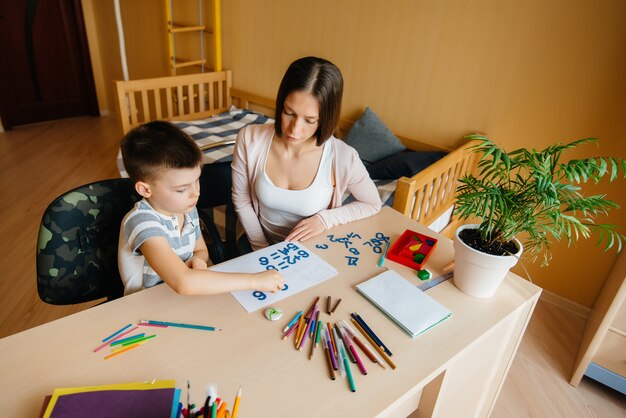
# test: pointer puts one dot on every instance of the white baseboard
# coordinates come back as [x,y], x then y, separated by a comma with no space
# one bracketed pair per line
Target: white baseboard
[567,304]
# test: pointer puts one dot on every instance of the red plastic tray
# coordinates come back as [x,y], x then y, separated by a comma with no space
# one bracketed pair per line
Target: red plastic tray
[400,253]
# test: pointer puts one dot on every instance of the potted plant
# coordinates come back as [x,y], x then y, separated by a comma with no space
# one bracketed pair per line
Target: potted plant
[530,196]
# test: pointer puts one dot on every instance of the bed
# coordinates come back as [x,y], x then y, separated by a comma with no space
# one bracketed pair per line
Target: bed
[207,107]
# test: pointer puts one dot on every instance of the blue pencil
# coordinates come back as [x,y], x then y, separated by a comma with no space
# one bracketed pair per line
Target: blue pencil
[293,321]
[115,333]
[175,324]
[371,333]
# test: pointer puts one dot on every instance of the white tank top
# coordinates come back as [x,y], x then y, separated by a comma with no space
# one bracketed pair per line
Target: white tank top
[281,209]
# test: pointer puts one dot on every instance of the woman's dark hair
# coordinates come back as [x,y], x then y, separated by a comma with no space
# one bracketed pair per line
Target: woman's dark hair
[323,80]
[156,145]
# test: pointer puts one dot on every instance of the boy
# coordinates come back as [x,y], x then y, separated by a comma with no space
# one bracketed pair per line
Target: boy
[160,238]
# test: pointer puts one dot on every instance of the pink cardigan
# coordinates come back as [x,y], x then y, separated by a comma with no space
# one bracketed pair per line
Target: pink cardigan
[350,174]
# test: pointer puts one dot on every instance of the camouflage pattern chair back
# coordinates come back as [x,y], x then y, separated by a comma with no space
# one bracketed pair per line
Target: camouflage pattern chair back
[78,240]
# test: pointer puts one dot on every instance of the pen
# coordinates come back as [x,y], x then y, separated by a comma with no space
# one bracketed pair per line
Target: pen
[175,324]
[333,343]
[346,339]
[330,349]
[376,347]
[293,321]
[372,334]
[345,342]
[329,362]
[335,307]
[381,262]
[328,305]
[346,364]
[372,356]
[340,358]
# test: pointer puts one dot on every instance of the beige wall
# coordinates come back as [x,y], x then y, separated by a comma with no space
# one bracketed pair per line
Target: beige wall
[525,72]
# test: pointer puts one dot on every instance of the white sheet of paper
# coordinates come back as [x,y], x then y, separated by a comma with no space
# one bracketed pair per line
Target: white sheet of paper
[300,267]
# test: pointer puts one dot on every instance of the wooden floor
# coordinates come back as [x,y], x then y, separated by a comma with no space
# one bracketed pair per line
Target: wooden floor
[39,162]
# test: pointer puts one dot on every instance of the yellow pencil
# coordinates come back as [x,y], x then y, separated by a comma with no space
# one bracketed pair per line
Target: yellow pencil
[121,351]
[236,404]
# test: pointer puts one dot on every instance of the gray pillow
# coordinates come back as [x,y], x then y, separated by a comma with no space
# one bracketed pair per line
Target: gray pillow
[372,139]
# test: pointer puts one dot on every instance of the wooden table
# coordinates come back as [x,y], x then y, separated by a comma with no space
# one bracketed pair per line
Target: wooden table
[454,369]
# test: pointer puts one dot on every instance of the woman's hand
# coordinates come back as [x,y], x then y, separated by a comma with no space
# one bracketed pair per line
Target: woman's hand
[306,228]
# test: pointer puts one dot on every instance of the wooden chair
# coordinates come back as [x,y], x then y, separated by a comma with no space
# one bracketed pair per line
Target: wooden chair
[430,193]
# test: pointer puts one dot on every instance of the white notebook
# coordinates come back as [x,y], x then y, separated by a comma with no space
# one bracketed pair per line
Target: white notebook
[410,308]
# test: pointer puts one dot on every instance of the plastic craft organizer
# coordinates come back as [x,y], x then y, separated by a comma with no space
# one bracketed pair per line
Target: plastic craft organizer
[409,246]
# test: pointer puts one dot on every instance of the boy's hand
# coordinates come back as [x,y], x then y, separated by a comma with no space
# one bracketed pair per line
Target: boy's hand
[306,228]
[270,281]
[197,263]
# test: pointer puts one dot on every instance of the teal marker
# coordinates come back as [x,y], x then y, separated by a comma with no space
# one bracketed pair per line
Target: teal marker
[382,257]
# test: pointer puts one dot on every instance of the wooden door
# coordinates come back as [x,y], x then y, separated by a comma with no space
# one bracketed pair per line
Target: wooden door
[45,70]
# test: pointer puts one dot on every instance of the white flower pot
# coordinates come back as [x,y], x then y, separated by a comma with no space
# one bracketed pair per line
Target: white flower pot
[479,274]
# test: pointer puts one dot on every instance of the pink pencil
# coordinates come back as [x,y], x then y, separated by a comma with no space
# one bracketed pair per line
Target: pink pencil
[308,328]
[113,339]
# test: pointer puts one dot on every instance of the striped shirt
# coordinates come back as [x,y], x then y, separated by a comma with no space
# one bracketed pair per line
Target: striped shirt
[142,223]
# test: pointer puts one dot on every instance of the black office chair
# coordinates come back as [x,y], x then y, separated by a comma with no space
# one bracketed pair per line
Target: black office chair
[78,241]
[215,192]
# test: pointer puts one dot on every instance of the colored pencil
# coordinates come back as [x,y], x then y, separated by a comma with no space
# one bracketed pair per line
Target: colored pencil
[381,262]
[236,403]
[134,337]
[376,347]
[121,351]
[116,332]
[308,328]
[308,312]
[152,325]
[114,339]
[313,338]
[293,321]
[318,330]
[372,334]
[139,340]
[290,331]
[179,325]
[300,330]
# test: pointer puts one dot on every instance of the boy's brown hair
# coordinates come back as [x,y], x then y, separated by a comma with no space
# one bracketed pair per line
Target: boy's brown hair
[153,146]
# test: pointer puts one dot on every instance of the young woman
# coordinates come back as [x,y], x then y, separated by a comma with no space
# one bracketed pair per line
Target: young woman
[289,178]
